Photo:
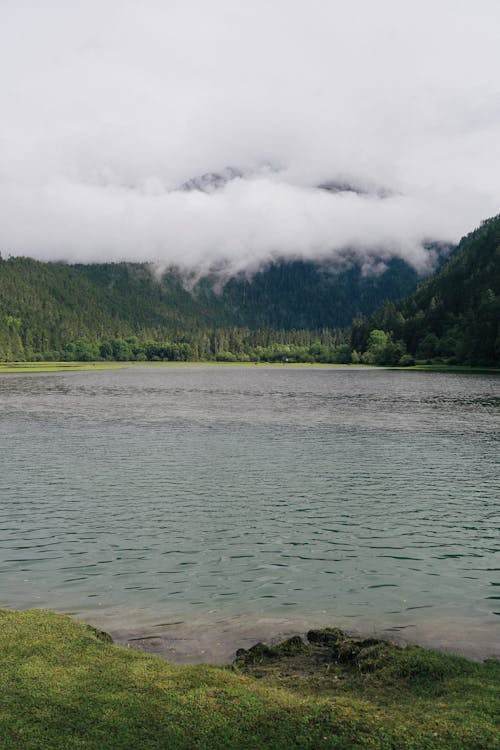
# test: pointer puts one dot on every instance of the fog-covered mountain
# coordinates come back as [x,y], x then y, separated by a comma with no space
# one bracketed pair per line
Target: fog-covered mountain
[43,306]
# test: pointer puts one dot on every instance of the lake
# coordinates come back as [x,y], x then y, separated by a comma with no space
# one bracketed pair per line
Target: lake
[199,505]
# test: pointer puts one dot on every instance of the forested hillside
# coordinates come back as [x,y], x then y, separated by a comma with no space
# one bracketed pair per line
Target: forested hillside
[289,311]
[453,317]
[44,306]
[305,295]
[48,309]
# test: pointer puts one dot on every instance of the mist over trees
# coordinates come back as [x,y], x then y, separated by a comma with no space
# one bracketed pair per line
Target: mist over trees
[289,312]
[130,311]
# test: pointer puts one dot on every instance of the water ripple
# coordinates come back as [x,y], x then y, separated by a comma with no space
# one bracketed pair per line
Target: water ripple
[358,493]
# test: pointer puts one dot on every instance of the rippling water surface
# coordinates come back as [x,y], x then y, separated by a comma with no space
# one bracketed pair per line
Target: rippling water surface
[164,494]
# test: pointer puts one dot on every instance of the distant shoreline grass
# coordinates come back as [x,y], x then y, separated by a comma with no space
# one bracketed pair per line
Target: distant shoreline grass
[40,367]
[448,368]
[37,367]
[65,685]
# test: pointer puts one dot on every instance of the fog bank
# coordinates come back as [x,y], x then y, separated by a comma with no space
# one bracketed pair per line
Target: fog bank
[112,112]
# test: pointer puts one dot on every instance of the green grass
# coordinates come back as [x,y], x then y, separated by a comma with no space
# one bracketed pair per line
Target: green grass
[37,367]
[26,367]
[63,685]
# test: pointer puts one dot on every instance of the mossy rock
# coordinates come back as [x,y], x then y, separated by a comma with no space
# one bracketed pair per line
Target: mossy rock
[326,636]
[261,652]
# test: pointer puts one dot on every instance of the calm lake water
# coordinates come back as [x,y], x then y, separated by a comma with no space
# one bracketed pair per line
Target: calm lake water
[149,496]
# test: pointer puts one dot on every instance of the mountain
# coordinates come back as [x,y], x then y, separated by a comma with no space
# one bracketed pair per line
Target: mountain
[306,295]
[210,181]
[45,306]
[291,310]
[452,317]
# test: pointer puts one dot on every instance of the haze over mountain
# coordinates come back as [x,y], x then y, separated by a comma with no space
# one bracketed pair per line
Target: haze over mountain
[364,127]
[45,306]
[289,311]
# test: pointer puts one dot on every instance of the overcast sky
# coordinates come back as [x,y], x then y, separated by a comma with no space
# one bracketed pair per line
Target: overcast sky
[107,107]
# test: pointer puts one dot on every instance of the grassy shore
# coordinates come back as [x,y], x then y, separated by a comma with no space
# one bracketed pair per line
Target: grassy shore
[36,367]
[64,685]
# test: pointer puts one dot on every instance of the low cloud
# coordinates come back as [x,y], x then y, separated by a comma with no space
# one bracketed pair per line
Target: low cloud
[111,111]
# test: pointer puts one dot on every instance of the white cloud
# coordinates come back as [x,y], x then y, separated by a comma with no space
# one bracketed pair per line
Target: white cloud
[107,107]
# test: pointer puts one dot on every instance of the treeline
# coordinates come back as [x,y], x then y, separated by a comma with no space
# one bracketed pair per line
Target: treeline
[452,318]
[218,345]
[225,345]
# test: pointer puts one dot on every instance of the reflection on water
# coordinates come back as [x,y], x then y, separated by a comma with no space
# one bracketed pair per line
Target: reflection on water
[156,494]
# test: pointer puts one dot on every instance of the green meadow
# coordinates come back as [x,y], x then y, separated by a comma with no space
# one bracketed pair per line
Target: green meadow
[37,367]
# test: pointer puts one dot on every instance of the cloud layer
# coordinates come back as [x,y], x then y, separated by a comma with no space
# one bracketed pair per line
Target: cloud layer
[109,107]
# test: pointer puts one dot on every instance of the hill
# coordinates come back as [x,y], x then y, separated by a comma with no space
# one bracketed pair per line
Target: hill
[45,307]
[452,317]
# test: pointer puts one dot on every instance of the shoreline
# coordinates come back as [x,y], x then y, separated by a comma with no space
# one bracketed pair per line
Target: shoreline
[38,367]
[215,639]
[10,368]
[192,639]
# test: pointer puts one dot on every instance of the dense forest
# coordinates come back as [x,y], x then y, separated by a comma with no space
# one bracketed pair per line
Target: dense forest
[293,311]
[453,317]
[130,311]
